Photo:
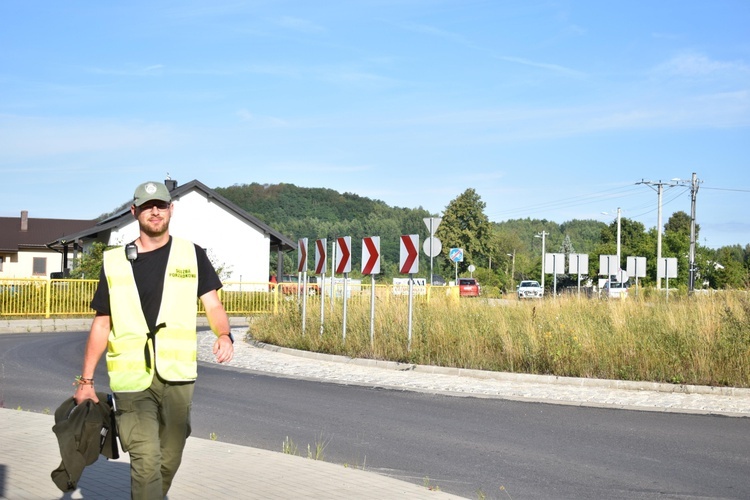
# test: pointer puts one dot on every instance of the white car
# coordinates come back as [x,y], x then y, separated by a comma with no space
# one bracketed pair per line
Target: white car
[529,289]
[615,289]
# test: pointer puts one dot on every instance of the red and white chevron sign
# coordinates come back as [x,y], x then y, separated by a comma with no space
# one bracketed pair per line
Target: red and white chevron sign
[302,255]
[344,254]
[409,261]
[320,256]
[371,255]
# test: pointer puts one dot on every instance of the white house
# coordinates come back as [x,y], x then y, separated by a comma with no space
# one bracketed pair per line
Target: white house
[24,252]
[235,241]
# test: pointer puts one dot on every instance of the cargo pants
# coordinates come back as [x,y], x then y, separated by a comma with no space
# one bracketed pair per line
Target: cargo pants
[153,426]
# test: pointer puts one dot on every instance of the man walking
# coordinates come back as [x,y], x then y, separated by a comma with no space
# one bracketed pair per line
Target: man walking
[146,310]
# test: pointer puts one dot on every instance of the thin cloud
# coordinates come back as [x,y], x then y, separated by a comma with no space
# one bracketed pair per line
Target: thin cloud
[301,25]
[24,137]
[262,121]
[461,40]
[321,168]
[695,65]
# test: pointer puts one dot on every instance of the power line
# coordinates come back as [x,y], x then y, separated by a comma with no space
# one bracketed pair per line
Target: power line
[569,202]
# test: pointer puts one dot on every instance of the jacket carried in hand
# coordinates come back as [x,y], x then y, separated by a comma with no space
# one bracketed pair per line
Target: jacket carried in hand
[83,432]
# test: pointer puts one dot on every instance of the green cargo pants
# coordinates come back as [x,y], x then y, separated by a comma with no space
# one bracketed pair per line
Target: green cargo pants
[153,426]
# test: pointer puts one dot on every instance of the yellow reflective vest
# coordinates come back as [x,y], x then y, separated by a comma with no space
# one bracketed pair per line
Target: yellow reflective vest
[130,351]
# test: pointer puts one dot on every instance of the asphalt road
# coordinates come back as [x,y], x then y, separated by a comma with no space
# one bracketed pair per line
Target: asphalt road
[467,446]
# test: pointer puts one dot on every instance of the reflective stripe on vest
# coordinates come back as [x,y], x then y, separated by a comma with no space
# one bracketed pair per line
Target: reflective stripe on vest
[130,352]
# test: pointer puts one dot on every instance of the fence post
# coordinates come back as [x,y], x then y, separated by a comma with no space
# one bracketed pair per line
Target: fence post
[48,298]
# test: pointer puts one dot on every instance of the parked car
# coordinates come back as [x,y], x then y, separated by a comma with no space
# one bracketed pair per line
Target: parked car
[438,280]
[289,284]
[615,289]
[468,287]
[530,289]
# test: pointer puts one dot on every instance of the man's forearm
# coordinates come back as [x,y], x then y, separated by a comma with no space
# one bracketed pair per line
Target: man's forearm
[95,345]
[215,313]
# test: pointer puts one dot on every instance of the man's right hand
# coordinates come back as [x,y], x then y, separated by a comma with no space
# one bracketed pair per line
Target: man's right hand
[84,392]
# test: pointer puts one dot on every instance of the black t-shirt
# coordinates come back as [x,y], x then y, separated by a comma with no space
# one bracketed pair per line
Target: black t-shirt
[149,270]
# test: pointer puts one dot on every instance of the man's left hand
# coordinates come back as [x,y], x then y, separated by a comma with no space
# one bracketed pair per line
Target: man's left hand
[223,349]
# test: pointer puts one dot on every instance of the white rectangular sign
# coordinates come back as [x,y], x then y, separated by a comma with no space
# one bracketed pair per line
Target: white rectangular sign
[636,267]
[554,263]
[578,263]
[667,267]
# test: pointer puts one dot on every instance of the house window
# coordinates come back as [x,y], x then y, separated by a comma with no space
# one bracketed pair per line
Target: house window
[40,266]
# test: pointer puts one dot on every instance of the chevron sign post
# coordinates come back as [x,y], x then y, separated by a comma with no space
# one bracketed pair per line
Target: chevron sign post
[371,255]
[302,255]
[371,266]
[344,254]
[409,264]
[302,280]
[321,262]
[320,256]
[344,265]
[409,261]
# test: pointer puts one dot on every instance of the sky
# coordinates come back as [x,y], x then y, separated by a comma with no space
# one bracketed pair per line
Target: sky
[554,110]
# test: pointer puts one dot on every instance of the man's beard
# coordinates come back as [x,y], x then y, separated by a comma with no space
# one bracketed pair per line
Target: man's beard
[163,227]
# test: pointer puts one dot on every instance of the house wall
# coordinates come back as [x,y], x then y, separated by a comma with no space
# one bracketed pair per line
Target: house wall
[241,248]
[21,265]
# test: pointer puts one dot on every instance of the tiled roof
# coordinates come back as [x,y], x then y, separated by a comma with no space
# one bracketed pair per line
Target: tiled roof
[277,239]
[39,232]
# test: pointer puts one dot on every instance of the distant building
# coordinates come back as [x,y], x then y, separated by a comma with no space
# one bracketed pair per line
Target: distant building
[24,252]
[235,241]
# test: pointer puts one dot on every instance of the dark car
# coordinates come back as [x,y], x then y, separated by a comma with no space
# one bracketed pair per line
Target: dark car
[438,280]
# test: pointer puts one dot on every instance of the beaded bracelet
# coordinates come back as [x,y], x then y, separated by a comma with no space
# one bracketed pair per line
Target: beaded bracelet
[81,380]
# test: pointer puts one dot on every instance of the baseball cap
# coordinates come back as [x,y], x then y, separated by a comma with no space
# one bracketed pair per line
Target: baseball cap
[151,191]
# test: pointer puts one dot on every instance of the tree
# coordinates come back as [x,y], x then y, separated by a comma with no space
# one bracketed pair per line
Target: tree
[466,226]
[676,243]
[90,265]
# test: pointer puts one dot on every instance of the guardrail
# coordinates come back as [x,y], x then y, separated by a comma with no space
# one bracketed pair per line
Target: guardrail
[44,297]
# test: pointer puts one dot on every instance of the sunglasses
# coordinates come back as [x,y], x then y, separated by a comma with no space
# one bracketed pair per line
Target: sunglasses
[160,205]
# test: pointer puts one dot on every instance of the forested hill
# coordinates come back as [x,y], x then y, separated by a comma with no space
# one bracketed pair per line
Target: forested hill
[281,203]
[315,213]
[312,213]
[516,245]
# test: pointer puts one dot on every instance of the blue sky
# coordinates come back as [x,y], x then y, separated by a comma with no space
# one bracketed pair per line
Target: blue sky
[548,109]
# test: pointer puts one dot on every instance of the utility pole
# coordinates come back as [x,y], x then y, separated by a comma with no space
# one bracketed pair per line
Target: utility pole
[693,195]
[619,238]
[659,229]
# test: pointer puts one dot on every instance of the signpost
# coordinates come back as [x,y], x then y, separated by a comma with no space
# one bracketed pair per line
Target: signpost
[636,266]
[555,262]
[344,265]
[432,246]
[321,262]
[578,263]
[666,268]
[456,255]
[409,264]
[371,266]
[302,277]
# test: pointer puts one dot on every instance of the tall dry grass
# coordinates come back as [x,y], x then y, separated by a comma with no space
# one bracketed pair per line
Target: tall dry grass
[703,340]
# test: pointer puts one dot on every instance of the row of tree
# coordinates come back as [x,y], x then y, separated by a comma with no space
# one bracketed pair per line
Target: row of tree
[503,253]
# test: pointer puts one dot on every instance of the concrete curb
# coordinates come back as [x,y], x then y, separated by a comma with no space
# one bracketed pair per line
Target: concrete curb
[512,377]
